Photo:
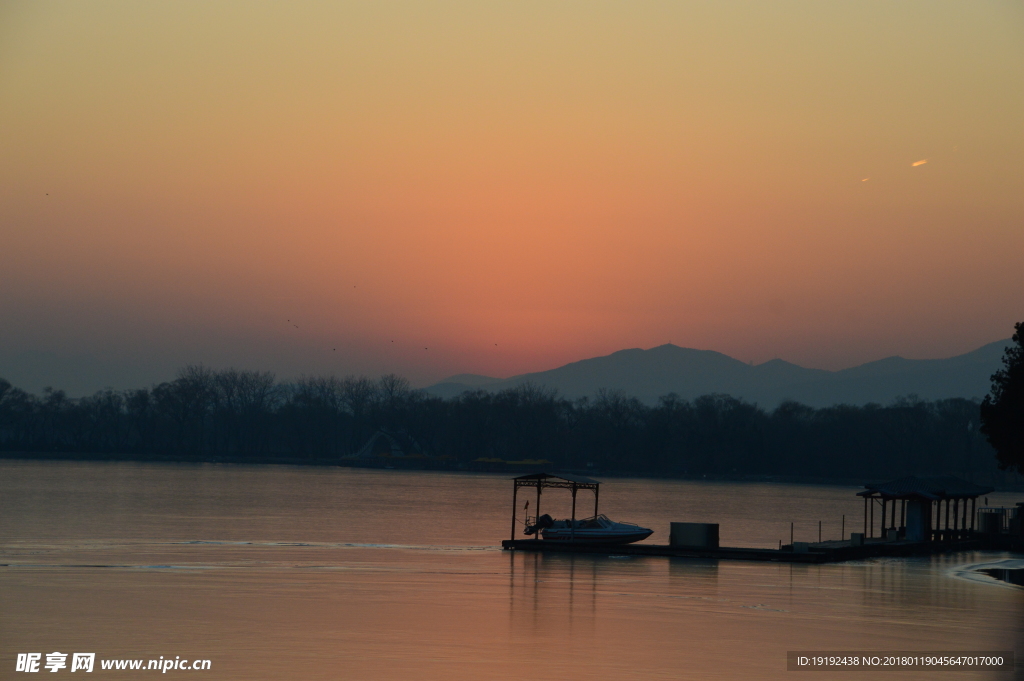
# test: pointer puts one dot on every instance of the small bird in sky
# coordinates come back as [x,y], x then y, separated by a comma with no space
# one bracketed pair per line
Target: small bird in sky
[865,179]
[918,163]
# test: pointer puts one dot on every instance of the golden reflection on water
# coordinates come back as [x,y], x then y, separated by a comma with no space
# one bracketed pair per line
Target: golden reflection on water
[386,575]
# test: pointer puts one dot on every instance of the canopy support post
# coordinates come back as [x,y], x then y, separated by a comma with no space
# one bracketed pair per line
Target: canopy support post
[572,531]
[536,509]
[871,525]
[515,491]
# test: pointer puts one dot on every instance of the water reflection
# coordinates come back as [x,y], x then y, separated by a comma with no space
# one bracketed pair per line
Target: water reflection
[1013,576]
[394,575]
[699,573]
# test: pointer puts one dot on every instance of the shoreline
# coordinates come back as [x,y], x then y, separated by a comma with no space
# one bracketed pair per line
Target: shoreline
[433,465]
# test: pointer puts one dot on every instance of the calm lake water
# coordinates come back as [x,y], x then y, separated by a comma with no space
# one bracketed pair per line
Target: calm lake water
[277,572]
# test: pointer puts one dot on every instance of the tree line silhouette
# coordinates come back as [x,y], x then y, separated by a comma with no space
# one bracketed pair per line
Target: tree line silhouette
[237,415]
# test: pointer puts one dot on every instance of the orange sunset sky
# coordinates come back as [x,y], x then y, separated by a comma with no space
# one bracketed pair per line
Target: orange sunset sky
[334,187]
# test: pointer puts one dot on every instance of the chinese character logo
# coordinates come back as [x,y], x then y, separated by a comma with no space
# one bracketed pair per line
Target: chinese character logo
[82,662]
[28,662]
[55,661]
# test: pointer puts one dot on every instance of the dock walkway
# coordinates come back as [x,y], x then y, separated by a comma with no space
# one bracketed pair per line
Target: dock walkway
[824,552]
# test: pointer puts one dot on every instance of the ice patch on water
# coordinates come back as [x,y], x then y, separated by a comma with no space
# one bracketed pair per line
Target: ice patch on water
[975,572]
[341,545]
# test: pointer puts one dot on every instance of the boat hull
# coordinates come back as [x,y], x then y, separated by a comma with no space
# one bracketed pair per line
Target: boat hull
[584,536]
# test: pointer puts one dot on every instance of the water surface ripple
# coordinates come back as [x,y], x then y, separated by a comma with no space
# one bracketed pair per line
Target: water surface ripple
[325,573]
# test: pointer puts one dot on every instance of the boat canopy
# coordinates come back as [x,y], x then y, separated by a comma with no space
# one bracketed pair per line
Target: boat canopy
[558,480]
[568,481]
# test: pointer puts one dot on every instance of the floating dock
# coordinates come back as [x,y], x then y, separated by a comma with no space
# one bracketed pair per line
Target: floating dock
[824,552]
[911,523]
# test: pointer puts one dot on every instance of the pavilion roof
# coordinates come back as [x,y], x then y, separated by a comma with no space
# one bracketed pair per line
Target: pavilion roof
[931,488]
[554,479]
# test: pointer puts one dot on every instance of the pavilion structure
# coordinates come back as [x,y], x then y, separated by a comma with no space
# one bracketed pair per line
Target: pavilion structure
[542,481]
[929,508]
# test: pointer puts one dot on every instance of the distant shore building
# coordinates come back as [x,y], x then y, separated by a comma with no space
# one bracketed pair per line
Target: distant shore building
[389,445]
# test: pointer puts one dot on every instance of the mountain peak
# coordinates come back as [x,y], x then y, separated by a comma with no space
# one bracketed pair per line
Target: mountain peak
[690,373]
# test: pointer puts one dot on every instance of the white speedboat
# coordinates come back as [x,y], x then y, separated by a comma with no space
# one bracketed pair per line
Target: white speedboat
[597,530]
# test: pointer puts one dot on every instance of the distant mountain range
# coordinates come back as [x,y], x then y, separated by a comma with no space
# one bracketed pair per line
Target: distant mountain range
[649,374]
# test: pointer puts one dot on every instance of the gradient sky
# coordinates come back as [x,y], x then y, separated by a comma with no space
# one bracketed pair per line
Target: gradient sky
[334,187]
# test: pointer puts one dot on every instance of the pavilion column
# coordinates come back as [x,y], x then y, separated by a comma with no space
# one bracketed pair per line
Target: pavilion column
[945,533]
[974,511]
[881,527]
[963,524]
[515,491]
[871,526]
[572,533]
[933,518]
[596,491]
[537,509]
[865,516]
[892,522]
[903,513]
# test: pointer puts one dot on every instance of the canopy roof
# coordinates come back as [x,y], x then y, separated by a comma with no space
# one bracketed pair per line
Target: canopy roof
[931,488]
[563,480]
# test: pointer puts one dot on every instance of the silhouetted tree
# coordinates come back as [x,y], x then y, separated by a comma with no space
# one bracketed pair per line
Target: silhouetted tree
[243,400]
[246,416]
[314,415]
[1002,411]
[361,398]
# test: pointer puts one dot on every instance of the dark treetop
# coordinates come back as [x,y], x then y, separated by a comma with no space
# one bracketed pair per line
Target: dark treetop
[1002,411]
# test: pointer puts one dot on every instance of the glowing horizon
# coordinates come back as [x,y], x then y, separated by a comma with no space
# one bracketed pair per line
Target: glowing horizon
[514,187]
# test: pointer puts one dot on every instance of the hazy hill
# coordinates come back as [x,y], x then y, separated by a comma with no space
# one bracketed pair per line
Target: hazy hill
[649,374]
